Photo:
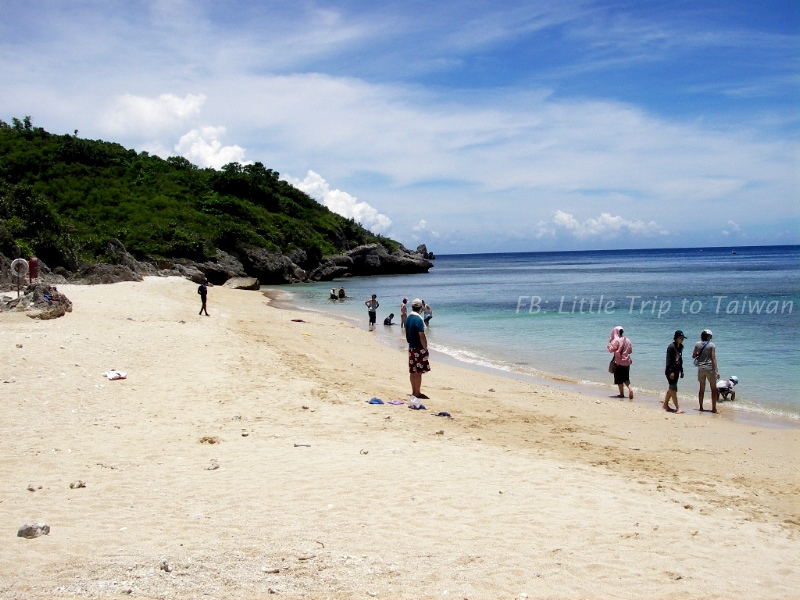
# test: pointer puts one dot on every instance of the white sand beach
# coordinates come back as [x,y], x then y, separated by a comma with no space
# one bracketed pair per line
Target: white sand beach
[241,454]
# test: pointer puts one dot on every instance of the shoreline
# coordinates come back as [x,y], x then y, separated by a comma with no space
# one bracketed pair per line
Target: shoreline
[743,416]
[241,452]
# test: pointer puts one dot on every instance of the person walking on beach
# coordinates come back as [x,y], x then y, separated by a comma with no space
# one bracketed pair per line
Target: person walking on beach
[372,308]
[674,370]
[705,358]
[403,313]
[417,348]
[622,348]
[203,291]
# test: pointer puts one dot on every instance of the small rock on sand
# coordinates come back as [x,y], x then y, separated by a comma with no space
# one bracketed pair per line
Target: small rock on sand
[33,530]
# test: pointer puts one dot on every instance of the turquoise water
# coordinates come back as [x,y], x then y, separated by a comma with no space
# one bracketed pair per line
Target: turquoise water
[550,314]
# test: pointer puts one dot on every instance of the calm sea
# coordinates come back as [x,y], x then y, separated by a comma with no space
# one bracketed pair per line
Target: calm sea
[549,314]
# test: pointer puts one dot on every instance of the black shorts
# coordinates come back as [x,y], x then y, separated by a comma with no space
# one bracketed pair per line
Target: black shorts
[673,383]
[622,374]
[372,317]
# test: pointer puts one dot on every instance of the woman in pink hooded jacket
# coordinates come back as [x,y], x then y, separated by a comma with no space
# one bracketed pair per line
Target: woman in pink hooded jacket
[622,349]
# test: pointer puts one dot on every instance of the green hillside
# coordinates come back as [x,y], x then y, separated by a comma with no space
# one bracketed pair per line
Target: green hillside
[62,198]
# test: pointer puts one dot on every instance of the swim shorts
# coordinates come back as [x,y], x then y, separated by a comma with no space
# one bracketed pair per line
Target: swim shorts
[418,360]
[372,316]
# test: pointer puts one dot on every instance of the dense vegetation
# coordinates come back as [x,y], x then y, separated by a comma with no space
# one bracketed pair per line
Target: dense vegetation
[62,198]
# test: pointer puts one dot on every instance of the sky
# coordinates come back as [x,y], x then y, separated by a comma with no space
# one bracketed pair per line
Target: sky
[470,126]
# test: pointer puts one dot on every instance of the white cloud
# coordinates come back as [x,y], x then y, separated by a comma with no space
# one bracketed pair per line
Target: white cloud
[544,230]
[202,147]
[733,228]
[341,202]
[424,227]
[605,226]
[150,116]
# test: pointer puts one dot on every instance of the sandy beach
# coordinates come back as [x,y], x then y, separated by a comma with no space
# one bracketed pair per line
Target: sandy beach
[240,459]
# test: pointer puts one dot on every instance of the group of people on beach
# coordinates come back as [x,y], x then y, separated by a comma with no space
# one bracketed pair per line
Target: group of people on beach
[705,359]
[413,324]
[372,305]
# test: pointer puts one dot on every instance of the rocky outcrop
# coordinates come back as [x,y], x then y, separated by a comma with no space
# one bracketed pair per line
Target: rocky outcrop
[106,273]
[271,268]
[422,250]
[257,265]
[242,283]
[40,300]
[372,259]
[222,268]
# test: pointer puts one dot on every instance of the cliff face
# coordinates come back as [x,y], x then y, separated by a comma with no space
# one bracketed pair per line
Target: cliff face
[269,268]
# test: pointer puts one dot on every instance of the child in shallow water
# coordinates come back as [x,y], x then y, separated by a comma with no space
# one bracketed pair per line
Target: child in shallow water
[725,388]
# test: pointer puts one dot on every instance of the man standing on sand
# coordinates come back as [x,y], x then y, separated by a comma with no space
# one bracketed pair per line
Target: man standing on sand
[203,291]
[417,348]
[372,308]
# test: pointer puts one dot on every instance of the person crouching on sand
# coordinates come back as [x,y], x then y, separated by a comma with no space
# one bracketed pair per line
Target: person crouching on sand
[674,370]
[622,348]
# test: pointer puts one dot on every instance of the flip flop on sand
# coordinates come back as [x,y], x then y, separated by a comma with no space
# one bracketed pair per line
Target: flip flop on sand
[375,401]
[396,402]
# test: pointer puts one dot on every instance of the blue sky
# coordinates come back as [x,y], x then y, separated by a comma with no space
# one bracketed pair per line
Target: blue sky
[470,126]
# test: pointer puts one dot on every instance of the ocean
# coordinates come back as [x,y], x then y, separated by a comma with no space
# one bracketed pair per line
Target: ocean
[548,315]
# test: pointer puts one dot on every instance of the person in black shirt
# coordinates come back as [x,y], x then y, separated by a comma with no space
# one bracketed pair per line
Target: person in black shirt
[673,370]
[203,291]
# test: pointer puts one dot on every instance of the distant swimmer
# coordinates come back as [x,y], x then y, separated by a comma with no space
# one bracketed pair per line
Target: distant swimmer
[342,295]
[333,295]
[388,320]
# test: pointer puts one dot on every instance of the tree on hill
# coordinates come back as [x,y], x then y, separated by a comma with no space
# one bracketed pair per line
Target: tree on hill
[64,199]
